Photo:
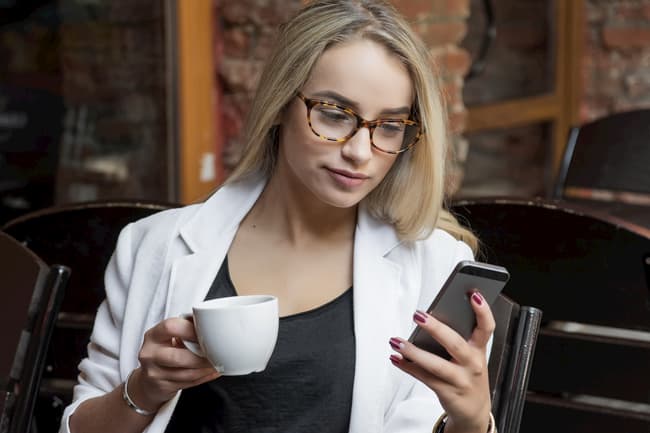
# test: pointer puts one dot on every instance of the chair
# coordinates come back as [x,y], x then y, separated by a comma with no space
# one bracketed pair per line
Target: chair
[83,237]
[591,276]
[32,294]
[509,366]
[605,166]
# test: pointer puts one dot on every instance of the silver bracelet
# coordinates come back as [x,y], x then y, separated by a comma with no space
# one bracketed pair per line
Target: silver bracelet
[130,403]
[439,426]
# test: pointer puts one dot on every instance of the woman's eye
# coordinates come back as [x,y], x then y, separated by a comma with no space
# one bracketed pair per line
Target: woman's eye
[391,128]
[334,114]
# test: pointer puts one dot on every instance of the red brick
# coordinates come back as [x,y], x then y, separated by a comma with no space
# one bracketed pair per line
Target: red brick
[236,42]
[626,37]
[413,9]
[457,121]
[452,90]
[441,33]
[637,85]
[277,12]
[265,13]
[264,42]
[454,179]
[594,15]
[452,60]
[235,12]
[621,105]
[232,120]
[627,11]
[593,108]
[451,8]
[240,75]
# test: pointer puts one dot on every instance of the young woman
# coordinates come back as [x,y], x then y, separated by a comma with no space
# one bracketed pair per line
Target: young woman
[337,209]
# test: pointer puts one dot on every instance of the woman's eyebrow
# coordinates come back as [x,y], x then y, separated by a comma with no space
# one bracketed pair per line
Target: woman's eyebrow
[332,96]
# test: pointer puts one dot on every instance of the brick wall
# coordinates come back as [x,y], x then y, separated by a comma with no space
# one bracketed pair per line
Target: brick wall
[615,73]
[616,62]
[248,28]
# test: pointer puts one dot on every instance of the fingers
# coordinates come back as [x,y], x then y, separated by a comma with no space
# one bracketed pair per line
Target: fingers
[175,357]
[461,384]
[485,323]
[174,327]
[165,358]
[181,377]
[420,363]
[426,366]
[453,342]
[417,371]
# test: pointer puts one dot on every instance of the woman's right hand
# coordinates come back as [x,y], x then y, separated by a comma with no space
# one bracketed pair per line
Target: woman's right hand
[166,366]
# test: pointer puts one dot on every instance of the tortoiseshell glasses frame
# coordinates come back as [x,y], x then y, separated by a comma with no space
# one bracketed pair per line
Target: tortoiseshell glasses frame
[407,124]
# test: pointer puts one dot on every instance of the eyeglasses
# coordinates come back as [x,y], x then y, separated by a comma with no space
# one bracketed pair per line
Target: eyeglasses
[335,122]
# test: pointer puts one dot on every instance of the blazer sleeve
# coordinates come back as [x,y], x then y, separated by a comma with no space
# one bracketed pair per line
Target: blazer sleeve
[99,372]
[415,407]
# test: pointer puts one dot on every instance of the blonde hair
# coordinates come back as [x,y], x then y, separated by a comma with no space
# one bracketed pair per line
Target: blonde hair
[411,196]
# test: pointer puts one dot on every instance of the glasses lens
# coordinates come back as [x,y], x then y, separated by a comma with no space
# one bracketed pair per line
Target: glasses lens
[394,136]
[332,122]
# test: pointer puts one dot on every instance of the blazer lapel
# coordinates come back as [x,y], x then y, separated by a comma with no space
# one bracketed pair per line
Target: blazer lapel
[376,283]
[208,235]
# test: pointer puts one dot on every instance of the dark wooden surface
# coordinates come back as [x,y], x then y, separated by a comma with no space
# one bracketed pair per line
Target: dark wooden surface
[580,268]
[638,215]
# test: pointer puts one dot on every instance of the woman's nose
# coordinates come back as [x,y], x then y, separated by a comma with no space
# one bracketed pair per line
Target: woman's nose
[358,148]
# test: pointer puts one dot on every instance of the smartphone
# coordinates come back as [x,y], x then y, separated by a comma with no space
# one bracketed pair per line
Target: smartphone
[452,305]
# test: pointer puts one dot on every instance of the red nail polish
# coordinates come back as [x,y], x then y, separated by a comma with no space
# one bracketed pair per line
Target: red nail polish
[476,297]
[420,317]
[396,343]
[396,360]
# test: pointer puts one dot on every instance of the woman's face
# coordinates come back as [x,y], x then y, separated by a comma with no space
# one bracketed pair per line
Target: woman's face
[363,76]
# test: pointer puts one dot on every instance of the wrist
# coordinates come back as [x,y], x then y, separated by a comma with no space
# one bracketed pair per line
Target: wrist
[446,424]
[135,395]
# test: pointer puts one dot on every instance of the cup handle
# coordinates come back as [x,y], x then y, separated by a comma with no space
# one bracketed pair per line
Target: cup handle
[193,347]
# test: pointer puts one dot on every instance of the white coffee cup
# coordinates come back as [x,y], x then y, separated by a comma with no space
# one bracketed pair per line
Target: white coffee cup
[237,334]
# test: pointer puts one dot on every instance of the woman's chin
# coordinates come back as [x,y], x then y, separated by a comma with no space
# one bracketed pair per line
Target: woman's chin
[342,200]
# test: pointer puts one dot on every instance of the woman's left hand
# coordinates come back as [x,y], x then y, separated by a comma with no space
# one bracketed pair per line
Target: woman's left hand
[461,383]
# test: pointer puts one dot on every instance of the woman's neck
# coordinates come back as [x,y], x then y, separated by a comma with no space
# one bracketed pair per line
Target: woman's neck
[293,213]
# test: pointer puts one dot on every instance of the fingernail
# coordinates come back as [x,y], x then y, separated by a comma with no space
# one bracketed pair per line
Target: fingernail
[476,297]
[396,360]
[396,343]
[420,317]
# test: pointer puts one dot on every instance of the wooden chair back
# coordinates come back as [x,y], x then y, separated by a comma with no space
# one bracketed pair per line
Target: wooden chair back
[608,154]
[605,167]
[32,293]
[511,359]
[83,237]
[591,277]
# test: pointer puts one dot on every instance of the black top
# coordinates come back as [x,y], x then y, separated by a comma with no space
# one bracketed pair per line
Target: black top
[306,387]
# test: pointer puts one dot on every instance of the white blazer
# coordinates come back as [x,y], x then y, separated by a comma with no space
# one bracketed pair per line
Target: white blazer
[165,263]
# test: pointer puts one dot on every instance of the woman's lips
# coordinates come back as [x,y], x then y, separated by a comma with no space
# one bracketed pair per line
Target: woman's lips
[346,178]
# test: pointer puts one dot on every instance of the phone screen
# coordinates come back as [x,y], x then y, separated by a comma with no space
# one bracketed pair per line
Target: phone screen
[452,305]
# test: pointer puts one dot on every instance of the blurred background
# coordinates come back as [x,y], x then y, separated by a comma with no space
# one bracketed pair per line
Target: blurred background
[145,99]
